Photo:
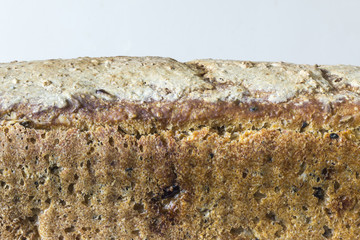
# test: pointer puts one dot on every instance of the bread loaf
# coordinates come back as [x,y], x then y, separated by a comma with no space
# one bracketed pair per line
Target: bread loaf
[152,148]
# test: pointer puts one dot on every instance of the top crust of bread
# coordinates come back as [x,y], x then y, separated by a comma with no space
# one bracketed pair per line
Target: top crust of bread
[150,89]
[145,79]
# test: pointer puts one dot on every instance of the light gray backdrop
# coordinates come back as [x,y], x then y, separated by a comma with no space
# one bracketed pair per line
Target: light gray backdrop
[300,31]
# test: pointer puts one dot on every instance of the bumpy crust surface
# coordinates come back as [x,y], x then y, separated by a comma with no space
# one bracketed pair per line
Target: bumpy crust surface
[118,148]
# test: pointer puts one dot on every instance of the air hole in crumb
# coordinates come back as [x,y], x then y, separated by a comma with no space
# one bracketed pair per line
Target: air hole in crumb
[71,188]
[334,136]
[278,233]
[294,189]
[304,208]
[86,199]
[48,201]
[35,212]
[153,130]
[31,140]
[220,130]
[327,232]
[327,211]
[319,193]
[61,238]
[271,216]
[91,150]
[236,231]
[245,173]
[26,124]
[97,230]
[88,164]
[303,125]
[258,196]
[76,177]
[302,168]
[56,142]
[70,229]
[126,145]
[22,182]
[43,135]
[336,185]
[139,207]
[120,130]
[135,232]
[111,141]
[54,169]
[46,157]
[253,108]
[170,192]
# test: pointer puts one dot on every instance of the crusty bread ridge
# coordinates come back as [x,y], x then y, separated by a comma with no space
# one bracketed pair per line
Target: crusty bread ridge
[152,148]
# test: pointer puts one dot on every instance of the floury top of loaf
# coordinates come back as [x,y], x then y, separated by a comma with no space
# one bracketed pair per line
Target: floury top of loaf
[144,79]
[28,90]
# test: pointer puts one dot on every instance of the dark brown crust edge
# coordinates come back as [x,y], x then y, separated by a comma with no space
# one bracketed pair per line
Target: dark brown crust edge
[145,118]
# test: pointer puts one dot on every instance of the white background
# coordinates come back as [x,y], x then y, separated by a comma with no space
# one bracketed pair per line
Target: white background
[300,31]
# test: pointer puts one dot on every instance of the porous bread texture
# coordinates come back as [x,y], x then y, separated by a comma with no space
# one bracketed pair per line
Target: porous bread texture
[202,184]
[151,148]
